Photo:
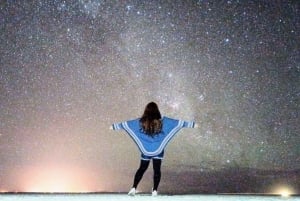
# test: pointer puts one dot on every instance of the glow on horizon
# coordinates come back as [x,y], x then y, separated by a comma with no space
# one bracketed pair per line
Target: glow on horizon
[56,179]
[284,190]
[3,191]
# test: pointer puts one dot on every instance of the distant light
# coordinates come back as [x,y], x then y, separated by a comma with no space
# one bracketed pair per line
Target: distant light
[284,190]
[285,193]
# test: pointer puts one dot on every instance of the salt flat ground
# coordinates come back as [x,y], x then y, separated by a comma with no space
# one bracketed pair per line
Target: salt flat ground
[141,197]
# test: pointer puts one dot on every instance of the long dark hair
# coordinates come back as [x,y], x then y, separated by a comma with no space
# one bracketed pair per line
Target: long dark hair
[151,123]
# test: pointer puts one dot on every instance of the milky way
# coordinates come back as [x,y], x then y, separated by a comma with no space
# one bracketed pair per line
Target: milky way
[69,69]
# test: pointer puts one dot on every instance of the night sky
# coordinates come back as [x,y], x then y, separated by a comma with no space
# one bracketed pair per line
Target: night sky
[69,69]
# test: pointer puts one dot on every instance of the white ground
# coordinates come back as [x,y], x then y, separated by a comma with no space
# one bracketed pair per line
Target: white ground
[123,197]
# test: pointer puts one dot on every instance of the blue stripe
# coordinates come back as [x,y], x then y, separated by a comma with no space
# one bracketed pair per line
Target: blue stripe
[134,137]
[170,135]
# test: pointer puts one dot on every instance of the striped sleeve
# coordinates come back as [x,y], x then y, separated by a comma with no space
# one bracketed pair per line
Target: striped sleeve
[117,126]
[188,124]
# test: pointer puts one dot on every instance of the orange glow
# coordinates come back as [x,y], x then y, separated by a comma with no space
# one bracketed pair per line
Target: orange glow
[56,179]
[3,191]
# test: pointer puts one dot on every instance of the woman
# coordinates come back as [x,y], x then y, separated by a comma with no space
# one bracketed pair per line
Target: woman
[151,133]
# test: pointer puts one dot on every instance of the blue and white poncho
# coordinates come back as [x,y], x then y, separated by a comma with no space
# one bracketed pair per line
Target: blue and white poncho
[153,145]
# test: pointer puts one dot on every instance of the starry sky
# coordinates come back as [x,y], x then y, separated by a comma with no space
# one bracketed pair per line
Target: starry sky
[69,69]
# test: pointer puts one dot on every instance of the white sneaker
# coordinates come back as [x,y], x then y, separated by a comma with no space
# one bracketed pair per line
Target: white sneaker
[132,192]
[154,193]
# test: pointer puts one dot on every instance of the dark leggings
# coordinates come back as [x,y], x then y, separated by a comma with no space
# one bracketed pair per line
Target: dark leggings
[143,167]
